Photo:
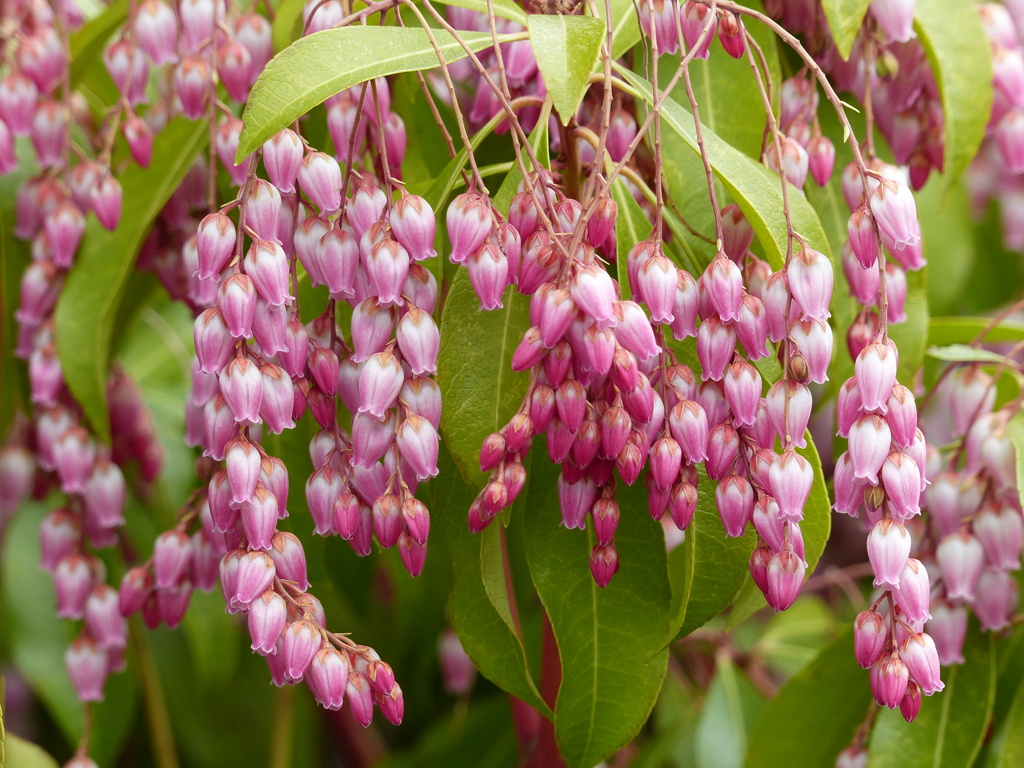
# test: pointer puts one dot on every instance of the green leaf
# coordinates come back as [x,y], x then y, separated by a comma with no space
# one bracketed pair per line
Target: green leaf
[88,305]
[943,331]
[709,567]
[611,641]
[961,353]
[88,43]
[437,194]
[541,148]
[794,637]
[952,724]
[631,227]
[505,9]
[479,607]
[481,391]
[910,336]
[286,19]
[731,708]
[755,188]
[959,52]
[815,714]
[18,753]
[1011,753]
[317,66]
[844,19]
[566,48]
[625,27]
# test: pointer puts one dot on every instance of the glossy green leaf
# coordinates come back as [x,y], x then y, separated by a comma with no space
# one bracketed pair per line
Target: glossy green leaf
[631,227]
[943,331]
[316,67]
[950,728]
[88,305]
[18,753]
[625,27]
[541,148]
[479,608]
[731,708]
[505,9]
[756,189]
[709,567]
[611,641]
[566,48]
[961,353]
[481,391]
[287,18]
[815,714]
[88,43]
[844,19]
[960,54]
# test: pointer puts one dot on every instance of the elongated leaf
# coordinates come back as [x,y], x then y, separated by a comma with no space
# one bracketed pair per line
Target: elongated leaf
[943,331]
[911,336]
[960,55]
[479,607]
[18,753]
[631,227]
[709,568]
[286,20]
[1011,748]
[961,353]
[815,714]
[481,392]
[844,19]
[566,48]
[320,65]
[611,641]
[1015,431]
[441,188]
[949,730]
[625,27]
[541,148]
[731,708]
[87,43]
[505,9]
[88,305]
[755,189]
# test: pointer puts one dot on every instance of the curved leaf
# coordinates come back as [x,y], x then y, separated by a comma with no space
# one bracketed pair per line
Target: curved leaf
[961,353]
[844,19]
[286,19]
[88,305]
[961,58]
[566,48]
[1011,745]
[611,641]
[481,391]
[505,9]
[963,330]
[87,43]
[755,188]
[815,714]
[316,67]
[625,29]
[18,753]
[631,227]
[952,724]
[731,708]
[479,607]
[1015,431]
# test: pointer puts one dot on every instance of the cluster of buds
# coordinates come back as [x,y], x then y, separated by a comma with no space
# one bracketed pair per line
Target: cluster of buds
[883,473]
[975,526]
[801,146]
[670,24]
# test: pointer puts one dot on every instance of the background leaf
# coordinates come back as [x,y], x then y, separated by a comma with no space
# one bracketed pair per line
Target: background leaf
[88,43]
[18,753]
[949,730]
[961,58]
[730,709]
[89,303]
[505,9]
[611,641]
[316,67]
[631,227]
[844,19]
[626,28]
[566,48]
[481,391]
[815,714]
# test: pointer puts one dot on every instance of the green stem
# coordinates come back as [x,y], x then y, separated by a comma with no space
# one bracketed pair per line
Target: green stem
[157,715]
[283,729]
